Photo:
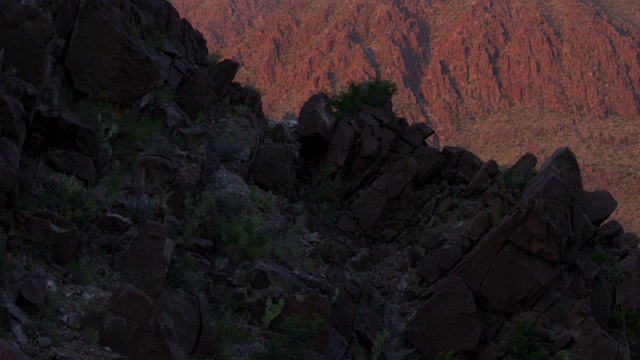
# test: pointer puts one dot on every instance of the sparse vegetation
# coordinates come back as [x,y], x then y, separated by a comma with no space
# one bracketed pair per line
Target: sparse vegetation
[47,316]
[6,75]
[379,343]
[156,39]
[297,335]
[213,57]
[229,332]
[141,207]
[164,95]
[524,344]
[138,128]
[446,356]
[78,204]
[243,239]
[515,179]
[271,311]
[374,93]
[185,274]
[114,181]
[197,208]
[260,199]
[82,272]
[325,189]
[226,145]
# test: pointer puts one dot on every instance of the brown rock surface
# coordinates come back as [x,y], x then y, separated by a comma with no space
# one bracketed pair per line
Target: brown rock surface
[10,352]
[148,259]
[106,61]
[137,327]
[448,321]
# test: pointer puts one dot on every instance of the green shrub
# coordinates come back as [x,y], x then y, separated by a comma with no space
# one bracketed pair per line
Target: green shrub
[227,146]
[446,356]
[379,343]
[516,179]
[297,335]
[114,181]
[156,39]
[523,344]
[252,89]
[164,95]
[82,272]
[77,204]
[374,93]
[3,242]
[336,293]
[260,199]
[185,274]
[138,128]
[213,58]
[141,207]
[325,189]
[271,311]
[7,75]
[563,355]
[196,210]
[243,238]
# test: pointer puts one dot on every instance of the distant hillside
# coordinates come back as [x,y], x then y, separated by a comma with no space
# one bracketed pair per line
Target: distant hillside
[455,61]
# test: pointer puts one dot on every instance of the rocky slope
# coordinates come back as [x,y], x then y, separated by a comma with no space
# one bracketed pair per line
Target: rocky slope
[149,210]
[455,61]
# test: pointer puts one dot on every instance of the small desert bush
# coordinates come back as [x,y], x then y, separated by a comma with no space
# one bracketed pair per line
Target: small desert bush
[185,274]
[297,335]
[374,93]
[524,343]
[325,189]
[227,146]
[197,209]
[6,75]
[141,207]
[243,237]
[156,39]
[78,204]
[213,58]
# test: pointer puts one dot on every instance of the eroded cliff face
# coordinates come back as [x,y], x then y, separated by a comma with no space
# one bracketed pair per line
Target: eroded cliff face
[544,73]
[457,58]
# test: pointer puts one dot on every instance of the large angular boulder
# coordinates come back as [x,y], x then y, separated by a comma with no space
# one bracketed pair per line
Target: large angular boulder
[157,166]
[12,125]
[316,120]
[9,162]
[137,327]
[73,162]
[105,60]
[20,25]
[448,321]
[10,352]
[200,89]
[274,168]
[148,259]
[533,244]
[185,310]
[68,132]
[340,145]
